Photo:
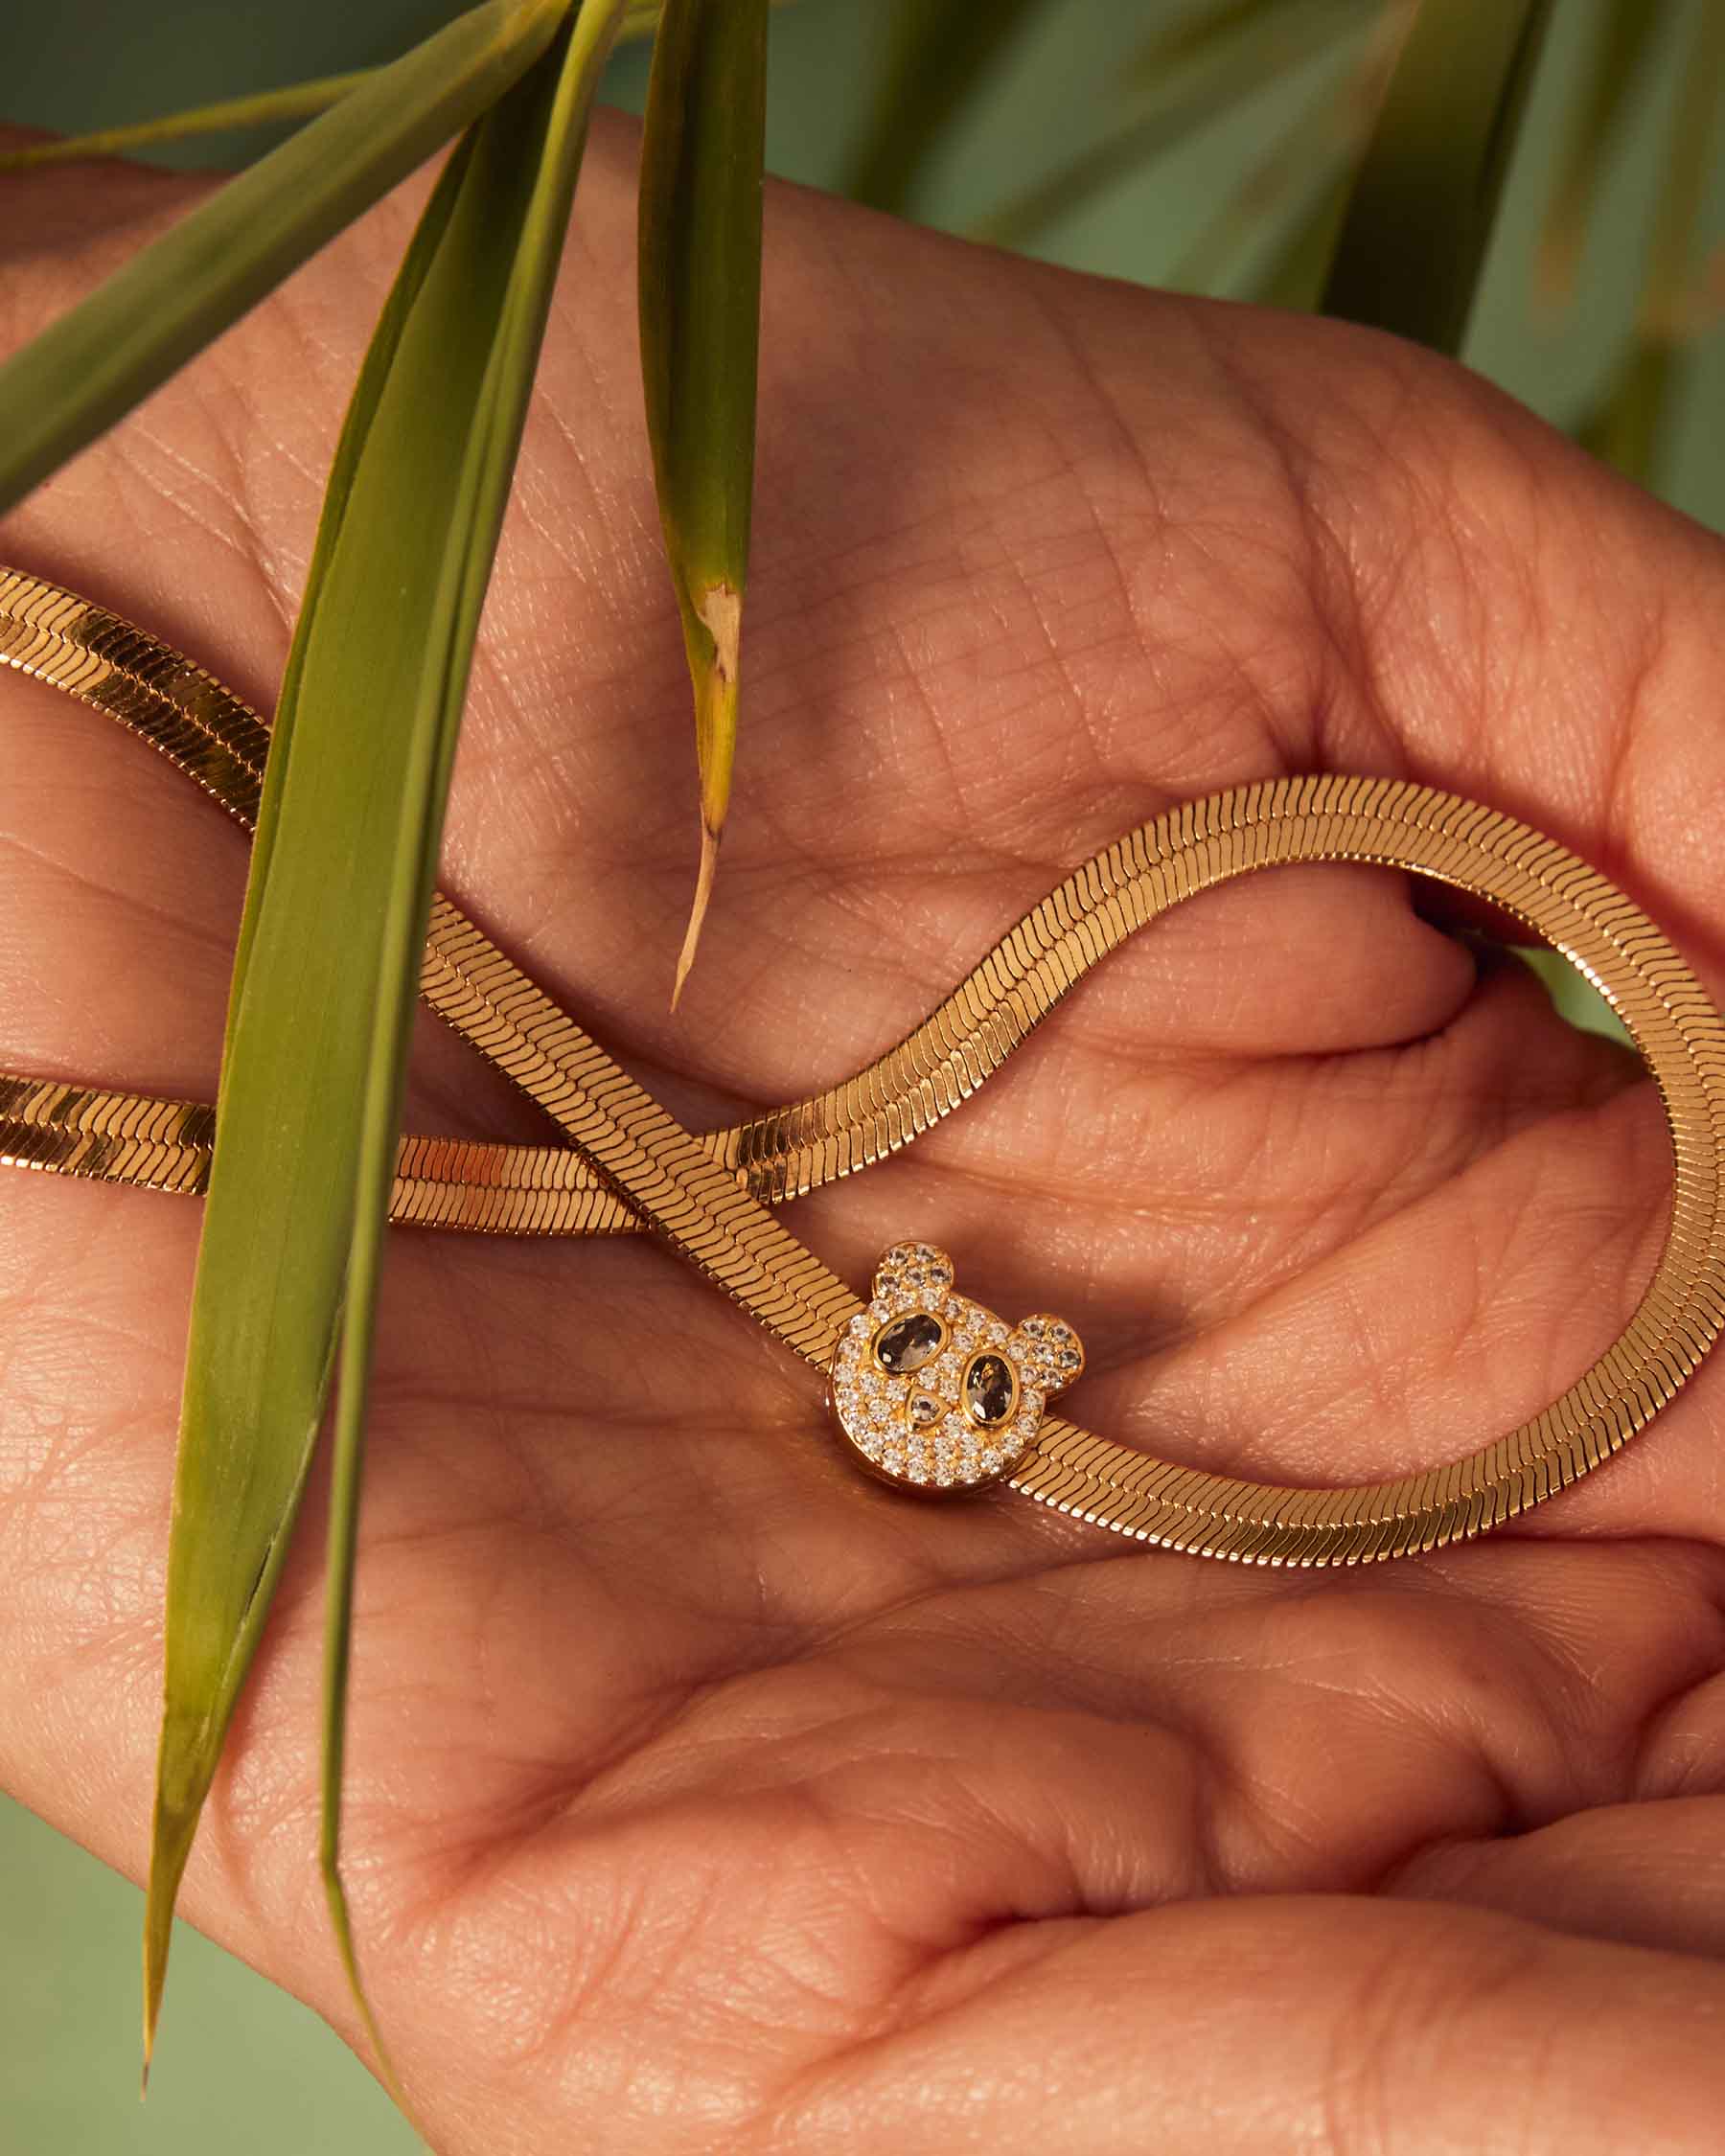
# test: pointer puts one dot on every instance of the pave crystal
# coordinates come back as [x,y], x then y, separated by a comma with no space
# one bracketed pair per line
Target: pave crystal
[935,1391]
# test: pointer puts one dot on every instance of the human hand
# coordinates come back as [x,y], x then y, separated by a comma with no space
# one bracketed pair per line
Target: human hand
[701,1795]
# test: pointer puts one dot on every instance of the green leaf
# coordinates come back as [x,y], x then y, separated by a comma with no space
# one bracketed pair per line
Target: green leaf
[1628,424]
[1206,31]
[1298,191]
[1210,80]
[1614,64]
[88,369]
[259,109]
[1421,218]
[1295,273]
[1575,997]
[1665,308]
[1626,428]
[335,916]
[701,153]
[939,54]
[300,101]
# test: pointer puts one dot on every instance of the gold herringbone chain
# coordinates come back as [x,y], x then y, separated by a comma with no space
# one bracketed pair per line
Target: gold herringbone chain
[629,1165]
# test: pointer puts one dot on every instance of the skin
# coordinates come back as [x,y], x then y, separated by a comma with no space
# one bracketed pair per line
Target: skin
[701,1795]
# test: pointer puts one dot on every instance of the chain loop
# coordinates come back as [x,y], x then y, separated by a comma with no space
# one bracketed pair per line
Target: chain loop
[630,1165]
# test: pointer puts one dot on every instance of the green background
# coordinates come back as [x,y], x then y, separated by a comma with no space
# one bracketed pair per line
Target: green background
[242,2066]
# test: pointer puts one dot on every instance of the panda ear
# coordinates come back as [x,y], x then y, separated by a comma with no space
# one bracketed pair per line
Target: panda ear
[1051,1348]
[916,1273]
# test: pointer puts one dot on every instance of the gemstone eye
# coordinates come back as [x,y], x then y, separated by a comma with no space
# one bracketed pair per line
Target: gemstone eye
[908,1342]
[990,1389]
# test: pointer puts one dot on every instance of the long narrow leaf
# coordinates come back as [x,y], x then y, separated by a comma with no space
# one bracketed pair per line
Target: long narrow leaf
[238,1476]
[347,832]
[1628,425]
[257,108]
[552,110]
[1615,63]
[1422,214]
[939,54]
[1294,274]
[1298,188]
[299,101]
[88,369]
[1196,91]
[1202,33]
[700,310]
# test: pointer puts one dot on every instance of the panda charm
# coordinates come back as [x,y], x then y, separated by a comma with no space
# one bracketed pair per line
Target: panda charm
[932,1392]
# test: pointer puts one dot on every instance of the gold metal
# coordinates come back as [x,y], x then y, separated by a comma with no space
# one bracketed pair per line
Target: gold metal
[631,1166]
[876,1398]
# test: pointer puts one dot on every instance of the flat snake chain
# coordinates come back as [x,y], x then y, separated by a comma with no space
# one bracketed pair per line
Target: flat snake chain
[628,1164]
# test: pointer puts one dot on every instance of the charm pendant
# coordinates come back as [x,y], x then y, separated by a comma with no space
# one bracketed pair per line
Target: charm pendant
[934,1391]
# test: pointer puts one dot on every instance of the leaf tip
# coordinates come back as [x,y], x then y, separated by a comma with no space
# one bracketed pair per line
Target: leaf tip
[170,1835]
[703,891]
[718,606]
[341,1923]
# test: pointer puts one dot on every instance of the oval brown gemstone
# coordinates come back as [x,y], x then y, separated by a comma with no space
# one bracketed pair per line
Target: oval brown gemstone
[908,1343]
[989,1389]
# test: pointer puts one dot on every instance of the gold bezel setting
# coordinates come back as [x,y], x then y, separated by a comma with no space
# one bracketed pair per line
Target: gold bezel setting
[1006,1362]
[897,1317]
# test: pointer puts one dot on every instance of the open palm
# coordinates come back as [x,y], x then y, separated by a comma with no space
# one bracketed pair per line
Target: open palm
[701,1795]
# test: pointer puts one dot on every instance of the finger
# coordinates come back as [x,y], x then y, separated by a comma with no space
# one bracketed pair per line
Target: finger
[1525,627]
[1438,1325]
[1647,1874]
[1174,1193]
[1248,1732]
[1010,647]
[1347,2027]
